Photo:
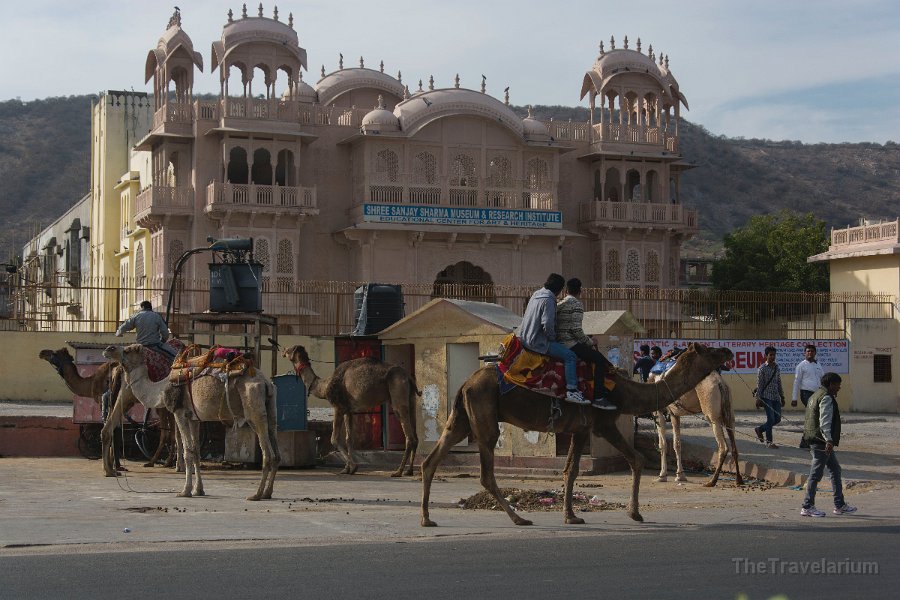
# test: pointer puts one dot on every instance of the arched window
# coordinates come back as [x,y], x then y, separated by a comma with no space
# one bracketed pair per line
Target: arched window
[285,260]
[613,185]
[238,171]
[261,252]
[613,266]
[651,192]
[500,172]
[262,167]
[537,175]
[633,186]
[172,171]
[285,173]
[139,268]
[386,165]
[632,267]
[176,249]
[652,267]
[423,168]
[598,185]
[462,171]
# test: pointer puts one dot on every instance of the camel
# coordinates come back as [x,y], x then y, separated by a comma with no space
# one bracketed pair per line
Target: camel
[712,397]
[361,384]
[248,397]
[479,408]
[108,377]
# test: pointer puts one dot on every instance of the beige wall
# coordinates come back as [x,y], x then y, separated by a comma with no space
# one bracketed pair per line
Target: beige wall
[875,274]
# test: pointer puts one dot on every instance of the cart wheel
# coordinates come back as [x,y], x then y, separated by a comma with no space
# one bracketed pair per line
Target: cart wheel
[89,443]
[146,436]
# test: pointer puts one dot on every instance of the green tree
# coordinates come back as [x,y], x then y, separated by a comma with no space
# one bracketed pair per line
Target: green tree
[769,254]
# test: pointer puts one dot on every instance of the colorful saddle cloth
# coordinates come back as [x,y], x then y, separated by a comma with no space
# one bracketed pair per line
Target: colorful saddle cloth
[520,367]
[158,363]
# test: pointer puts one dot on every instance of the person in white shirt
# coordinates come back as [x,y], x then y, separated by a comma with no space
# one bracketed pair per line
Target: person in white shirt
[807,376]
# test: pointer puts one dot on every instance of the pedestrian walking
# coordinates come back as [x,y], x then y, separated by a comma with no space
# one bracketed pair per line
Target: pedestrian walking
[770,393]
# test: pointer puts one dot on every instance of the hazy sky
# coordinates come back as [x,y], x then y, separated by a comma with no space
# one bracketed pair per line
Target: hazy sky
[815,71]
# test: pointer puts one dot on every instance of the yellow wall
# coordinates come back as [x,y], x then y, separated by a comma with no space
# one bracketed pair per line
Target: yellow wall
[876,274]
[27,378]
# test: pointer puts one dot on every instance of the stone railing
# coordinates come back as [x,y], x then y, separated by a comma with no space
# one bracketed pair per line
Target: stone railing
[635,134]
[867,234]
[284,111]
[253,196]
[157,197]
[517,195]
[174,115]
[633,212]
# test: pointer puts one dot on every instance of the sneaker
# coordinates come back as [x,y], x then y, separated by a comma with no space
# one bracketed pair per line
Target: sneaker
[575,397]
[845,509]
[759,435]
[812,511]
[772,445]
[603,404]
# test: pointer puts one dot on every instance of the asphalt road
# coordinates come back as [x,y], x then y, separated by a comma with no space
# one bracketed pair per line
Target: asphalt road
[660,561]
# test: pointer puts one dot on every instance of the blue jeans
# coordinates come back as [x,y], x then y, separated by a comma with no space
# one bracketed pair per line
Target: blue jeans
[557,350]
[820,460]
[773,417]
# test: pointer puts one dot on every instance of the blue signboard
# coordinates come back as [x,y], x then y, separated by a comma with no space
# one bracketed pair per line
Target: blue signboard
[455,215]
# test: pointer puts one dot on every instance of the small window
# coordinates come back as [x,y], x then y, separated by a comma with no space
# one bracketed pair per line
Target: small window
[882,368]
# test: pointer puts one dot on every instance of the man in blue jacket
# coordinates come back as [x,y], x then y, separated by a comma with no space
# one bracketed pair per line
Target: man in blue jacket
[538,332]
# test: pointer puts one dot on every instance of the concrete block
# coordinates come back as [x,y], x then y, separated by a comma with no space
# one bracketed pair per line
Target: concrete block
[297,448]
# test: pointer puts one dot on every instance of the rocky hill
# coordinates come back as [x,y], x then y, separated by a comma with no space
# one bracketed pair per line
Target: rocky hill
[45,167]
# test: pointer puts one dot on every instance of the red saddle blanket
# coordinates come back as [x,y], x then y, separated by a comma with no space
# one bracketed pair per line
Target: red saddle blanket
[158,363]
[540,373]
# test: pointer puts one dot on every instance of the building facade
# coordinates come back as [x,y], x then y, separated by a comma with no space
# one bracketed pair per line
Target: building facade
[358,177]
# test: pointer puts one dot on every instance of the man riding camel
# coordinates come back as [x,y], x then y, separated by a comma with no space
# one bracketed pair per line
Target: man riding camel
[152,331]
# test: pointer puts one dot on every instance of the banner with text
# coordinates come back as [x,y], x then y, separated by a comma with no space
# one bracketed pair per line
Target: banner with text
[456,215]
[833,355]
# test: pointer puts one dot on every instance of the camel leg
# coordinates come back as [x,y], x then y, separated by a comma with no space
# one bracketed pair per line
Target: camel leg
[720,455]
[676,444]
[456,430]
[348,444]
[107,435]
[189,435]
[571,472]
[607,429]
[337,438]
[260,418]
[739,478]
[412,439]
[660,419]
[163,438]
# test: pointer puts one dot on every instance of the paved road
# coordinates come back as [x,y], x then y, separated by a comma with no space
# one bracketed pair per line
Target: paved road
[659,561]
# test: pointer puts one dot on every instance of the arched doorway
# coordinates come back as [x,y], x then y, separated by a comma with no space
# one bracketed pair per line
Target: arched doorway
[464,281]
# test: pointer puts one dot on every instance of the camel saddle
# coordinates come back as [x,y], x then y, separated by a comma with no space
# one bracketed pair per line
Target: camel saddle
[520,367]
[193,362]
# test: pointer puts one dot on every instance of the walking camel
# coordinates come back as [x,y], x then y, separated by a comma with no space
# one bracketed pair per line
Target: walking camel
[712,397]
[479,408]
[360,384]
[249,397]
[108,377]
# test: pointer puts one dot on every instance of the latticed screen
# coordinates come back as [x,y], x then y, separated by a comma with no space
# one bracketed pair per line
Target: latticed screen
[881,368]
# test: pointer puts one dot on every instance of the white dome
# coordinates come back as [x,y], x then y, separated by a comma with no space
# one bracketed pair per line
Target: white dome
[380,119]
[535,130]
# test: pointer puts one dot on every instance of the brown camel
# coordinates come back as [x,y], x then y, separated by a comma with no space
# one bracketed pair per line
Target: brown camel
[712,397]
[479,408]
[108,377]
[362,384]
[248,397]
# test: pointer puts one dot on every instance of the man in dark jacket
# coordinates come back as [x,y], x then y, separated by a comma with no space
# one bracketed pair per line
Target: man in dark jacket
[822,431]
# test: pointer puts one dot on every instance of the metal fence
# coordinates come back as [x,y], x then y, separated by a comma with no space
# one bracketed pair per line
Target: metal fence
[326,308]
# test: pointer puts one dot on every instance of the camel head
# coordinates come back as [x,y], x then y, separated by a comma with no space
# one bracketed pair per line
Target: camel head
[57,358]
[130,356]
[298,357]
[701,358]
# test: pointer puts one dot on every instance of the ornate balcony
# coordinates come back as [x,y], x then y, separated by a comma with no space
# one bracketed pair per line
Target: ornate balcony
[174,118]
[163,203]
[224,199]
[596,216]
[517,195]
[645,135]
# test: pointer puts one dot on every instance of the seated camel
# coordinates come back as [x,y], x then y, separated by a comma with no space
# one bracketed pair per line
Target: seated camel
[108,378]
[357,385]
[480,407]
[712,398]
[248,396]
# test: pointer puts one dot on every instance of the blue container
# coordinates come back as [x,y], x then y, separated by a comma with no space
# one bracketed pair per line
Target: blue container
[290,402]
